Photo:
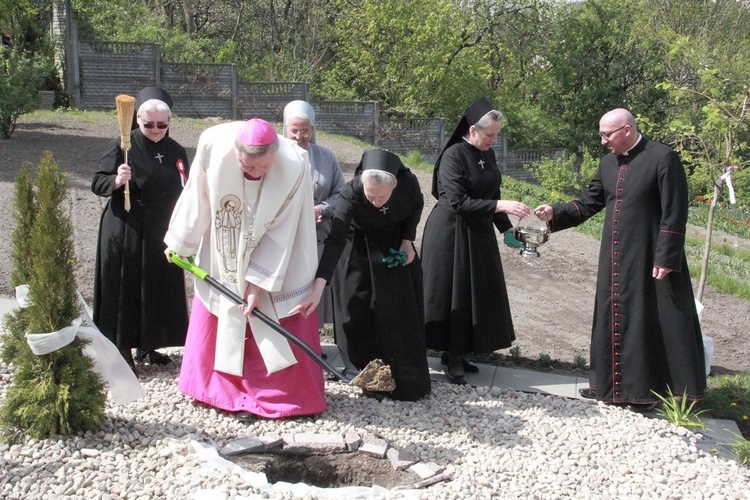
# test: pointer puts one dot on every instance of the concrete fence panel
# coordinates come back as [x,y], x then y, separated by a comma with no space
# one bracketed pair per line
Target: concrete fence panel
[267,99]
[353,118]
[200,90]
[109,69]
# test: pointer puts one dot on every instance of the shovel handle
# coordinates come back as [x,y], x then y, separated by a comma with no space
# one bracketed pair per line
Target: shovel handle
[203,275]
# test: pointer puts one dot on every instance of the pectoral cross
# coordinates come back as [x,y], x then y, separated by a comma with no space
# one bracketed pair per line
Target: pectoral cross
[159,156]
[384,209]
[481,164]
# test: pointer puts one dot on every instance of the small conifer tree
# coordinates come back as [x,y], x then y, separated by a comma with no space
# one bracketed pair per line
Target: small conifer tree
[55,393]
[17,322]
[24,211]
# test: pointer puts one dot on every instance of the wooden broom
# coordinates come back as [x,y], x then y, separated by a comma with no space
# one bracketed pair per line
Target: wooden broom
[125,105]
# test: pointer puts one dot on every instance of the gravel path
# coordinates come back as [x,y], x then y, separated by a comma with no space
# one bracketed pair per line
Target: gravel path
[496,444]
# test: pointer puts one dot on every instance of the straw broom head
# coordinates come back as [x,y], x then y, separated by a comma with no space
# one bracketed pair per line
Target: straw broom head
[125,106]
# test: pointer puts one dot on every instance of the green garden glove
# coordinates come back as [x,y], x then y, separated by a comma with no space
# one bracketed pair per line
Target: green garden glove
[511,240]
[395,259]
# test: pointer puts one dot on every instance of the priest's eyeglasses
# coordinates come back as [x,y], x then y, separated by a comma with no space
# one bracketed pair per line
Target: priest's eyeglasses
[150,125]
[607,135]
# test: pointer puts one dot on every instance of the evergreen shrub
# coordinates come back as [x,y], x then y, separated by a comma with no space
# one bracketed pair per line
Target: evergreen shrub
[55,393]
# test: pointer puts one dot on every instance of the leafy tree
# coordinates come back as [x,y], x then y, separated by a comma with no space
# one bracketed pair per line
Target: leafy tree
[706,46]
[594,61]
[397,53]
[565,176]
[269,41]
[23,23]
[421,57]
[20,77]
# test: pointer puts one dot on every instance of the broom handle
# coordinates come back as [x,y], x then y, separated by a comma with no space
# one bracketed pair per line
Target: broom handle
[127,186]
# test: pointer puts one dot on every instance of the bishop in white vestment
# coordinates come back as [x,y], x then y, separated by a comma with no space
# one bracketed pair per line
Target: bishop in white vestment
[245,215]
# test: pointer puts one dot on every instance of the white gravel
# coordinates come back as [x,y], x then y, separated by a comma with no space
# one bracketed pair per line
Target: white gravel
[497,444]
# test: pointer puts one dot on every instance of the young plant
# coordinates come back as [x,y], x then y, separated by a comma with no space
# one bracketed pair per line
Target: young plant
[545,358]
[579,361]
[741,447]
[515,352]
[57,392]
[678,411]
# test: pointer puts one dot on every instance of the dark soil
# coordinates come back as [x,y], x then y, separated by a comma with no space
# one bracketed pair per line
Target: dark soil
[332,470]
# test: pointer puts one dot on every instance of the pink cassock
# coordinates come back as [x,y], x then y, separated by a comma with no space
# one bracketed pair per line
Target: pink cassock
[296,390]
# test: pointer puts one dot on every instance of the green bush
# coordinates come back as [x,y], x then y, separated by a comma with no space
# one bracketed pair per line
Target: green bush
[20,78]
[55,393]
[565,176]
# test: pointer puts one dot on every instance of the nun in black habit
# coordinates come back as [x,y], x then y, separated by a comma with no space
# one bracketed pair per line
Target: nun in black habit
[378,299]
[466,302]
[139,297]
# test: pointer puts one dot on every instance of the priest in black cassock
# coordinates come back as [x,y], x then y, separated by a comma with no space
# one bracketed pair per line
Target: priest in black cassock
[466,301]
[377,299]
[646,335]
[139,297]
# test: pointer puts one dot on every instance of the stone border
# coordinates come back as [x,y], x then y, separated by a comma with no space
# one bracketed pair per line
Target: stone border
[352,442]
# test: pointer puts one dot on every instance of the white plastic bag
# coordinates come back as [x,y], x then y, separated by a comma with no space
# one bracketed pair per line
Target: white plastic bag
[708,342]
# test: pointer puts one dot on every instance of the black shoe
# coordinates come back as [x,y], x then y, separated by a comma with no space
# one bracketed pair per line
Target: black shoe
[127,355]
[152,357]
[468,367]
[454,379]
[641,407]
[244,416]
[587,393]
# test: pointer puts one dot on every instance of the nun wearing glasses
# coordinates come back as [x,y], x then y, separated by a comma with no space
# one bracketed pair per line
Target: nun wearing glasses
[139,298]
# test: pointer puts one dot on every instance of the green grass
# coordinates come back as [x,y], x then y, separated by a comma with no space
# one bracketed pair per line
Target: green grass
[345,138]
[728,267]
[731,219]
[728,397]
[579,361]
[741,449]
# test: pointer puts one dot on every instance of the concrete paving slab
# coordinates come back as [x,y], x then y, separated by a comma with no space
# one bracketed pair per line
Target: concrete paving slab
[483,377]
[531,381]
[718,436]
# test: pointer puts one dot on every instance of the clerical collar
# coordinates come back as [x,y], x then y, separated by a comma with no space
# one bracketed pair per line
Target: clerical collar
[627,153]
